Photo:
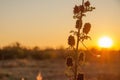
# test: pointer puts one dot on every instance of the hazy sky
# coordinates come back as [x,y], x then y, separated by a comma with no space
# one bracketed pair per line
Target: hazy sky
[46,23]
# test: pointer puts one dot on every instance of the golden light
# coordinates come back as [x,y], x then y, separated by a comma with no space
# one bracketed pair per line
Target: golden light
[105,42]
[98,56]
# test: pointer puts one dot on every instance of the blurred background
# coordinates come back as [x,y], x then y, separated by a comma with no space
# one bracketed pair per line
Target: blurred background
[34,33]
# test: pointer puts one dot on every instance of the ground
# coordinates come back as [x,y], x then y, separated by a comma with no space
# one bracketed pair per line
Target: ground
[54,69]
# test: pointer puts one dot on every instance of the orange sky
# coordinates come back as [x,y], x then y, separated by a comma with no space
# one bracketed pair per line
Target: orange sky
[46,23]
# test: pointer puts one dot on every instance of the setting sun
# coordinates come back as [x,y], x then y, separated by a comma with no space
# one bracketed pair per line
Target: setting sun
[105,42]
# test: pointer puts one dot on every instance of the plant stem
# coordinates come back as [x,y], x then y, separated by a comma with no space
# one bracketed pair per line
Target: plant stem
[76,51]
[77,45]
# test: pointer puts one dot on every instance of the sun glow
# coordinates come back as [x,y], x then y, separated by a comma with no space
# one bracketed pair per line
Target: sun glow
[105,42]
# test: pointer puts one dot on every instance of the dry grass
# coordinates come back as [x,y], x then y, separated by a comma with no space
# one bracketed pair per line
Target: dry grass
[29,69]
[54,70]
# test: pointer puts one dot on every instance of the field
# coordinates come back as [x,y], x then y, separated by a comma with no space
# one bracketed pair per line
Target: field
[29,69]
[54,69]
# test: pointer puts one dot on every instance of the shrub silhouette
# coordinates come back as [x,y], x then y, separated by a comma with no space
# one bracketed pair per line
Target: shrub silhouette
[17,51]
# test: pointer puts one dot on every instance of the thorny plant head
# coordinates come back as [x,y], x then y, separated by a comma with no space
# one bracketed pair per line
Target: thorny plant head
[82,30]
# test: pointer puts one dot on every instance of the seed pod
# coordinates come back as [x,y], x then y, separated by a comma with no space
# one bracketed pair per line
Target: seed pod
[78,24]
[81,57]
[86,28]
[82,8]
[80,77]
[87,3]
[76,10]
[71,40]
[69,62]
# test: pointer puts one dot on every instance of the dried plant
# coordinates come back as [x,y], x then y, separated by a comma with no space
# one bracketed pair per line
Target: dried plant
[75,61]
[39,76]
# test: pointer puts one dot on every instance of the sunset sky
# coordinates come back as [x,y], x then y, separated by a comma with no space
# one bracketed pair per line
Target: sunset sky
[46,23]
